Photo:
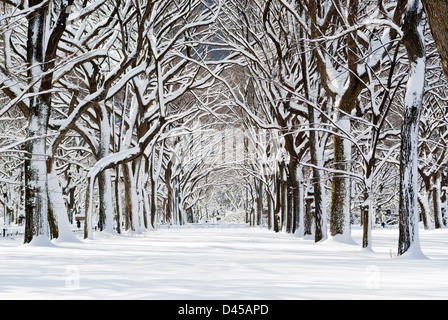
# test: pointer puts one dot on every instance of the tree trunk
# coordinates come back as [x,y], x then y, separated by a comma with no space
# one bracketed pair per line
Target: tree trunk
[88,208]
[436,12]
[423,201]
[309,213]
[289,202]
[299,200]
[295,196]
[414,42]
[340,193]
[105,222]
[367,216]
[283,201]
[270,209]
[131,198]
[41,59]
[318,214]
[36,194]
[340,196]
[259,187]
[277,202]
[436,198]
[118,203]
[168,208]
[153,200]
[320,210]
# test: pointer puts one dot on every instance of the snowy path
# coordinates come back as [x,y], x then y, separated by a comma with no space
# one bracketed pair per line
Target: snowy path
[222,262]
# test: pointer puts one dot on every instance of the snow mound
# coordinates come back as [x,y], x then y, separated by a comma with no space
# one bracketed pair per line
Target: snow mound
[414,253]
[41,241]
[341,239]
[67,237]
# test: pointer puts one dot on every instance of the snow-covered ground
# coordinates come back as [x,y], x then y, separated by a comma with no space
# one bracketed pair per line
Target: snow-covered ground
[223,261]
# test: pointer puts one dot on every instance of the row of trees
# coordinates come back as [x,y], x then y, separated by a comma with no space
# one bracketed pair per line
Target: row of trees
[344,84]
[300,112]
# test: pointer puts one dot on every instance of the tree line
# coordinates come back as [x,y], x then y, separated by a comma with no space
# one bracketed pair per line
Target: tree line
[308,115]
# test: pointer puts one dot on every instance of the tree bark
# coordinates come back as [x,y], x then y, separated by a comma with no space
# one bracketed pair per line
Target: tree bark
[41,59]
[414,42]
[319,214]
[259,187]
[118,203]
[299,202]
[436,12]
[289,200]
[437,200]
[131,200]
[367,218]
[309,214]
[105,222]
[36,193]
[278,184]
[153,199]
[340,194]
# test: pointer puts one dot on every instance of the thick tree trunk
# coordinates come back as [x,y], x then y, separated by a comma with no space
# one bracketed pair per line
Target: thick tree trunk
[41,58]
[295,196]
[105,222]
[340,193]
[131,200]
[36,194]
[340,196]
[436,12]
[309,214]
[415,46]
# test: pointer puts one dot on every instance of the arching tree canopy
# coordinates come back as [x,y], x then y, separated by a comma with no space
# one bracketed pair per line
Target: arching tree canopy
[302,116]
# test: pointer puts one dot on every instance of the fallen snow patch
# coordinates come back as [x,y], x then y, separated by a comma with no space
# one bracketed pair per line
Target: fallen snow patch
[223,261]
